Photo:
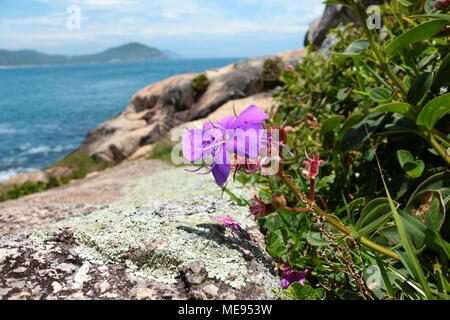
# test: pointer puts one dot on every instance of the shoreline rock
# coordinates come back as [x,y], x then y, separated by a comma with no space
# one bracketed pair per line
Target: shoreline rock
[155,110]
[122,234]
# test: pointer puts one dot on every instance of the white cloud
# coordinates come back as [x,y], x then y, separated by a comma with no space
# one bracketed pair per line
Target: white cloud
[160,20]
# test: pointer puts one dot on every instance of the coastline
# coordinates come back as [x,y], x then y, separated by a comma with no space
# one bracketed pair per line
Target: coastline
[136,134]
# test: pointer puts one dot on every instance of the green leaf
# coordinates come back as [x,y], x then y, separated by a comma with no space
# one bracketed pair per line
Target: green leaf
[428,207]
[331,124]
[404,3]
[433,15]
[376,213]
[390,237]
[342,94]
[386,281]
[399,185]
[442,77]
[380,94]
[348,123]
[407,241]
[430,7]
[413,168]
[439,182]
[419,88]
[315,239]
[435,241]
[422,32]
[362,130]
[398,107]
[357,47]
[298,291]
[396,123]
[433,111]
[275,244]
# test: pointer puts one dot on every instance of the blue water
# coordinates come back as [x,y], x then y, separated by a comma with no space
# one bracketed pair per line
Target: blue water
[46,111]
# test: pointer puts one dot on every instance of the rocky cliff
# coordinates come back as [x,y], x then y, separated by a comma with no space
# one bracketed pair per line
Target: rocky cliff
[156,109]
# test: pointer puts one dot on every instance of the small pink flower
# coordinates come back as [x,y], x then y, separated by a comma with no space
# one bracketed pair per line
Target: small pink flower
[312,165]
[229,222]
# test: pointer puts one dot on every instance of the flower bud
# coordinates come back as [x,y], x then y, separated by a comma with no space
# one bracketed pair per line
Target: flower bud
[283,133]
[261,209]
[442,5]
[444,32]
[278,201]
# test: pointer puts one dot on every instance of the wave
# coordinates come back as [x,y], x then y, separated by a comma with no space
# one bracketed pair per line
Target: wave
[6,129]
[6,174]
[28,150]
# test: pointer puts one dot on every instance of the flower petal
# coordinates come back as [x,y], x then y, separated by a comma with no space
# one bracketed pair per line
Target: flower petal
[192,144]
[222,166]
[250,115]
[247,143]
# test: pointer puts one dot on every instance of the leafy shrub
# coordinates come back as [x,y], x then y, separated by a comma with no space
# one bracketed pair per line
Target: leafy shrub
[162,151]
[270,77]
[377,111]
[79,164]
[199,85]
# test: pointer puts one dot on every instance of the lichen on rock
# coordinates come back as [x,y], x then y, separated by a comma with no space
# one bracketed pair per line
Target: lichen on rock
[143,244]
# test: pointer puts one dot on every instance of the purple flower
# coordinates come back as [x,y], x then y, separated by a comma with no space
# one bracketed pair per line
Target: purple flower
[215,140]
[288,276]
[229,222]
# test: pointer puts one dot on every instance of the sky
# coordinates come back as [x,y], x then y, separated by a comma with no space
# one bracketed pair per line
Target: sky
[191,28]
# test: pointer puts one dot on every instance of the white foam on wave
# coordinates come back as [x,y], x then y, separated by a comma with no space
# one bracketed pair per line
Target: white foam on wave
[7,129]
[6,174]
[27,149]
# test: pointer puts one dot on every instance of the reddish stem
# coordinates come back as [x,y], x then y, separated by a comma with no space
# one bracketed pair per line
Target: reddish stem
[311,188]
[296,209]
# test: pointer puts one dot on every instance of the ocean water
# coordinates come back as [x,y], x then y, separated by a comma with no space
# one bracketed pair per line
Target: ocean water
[46,111]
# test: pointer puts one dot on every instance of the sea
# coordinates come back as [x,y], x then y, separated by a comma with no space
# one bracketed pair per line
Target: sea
[46,111]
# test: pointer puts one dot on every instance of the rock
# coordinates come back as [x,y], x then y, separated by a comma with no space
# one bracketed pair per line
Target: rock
[333,15]
[139,244]
[211,290]
[82,275]
[142,152]
[56,287]
[59,172]
[33,176]
[156,109]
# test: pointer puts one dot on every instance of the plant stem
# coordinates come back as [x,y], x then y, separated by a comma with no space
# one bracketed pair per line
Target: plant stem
[298,210]
[312,184]
[332,220]
[382,61]
[438,148]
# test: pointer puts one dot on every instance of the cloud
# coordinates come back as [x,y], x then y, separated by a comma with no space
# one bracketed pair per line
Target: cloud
[160,21]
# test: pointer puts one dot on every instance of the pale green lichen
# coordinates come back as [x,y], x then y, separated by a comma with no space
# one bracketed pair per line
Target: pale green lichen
[157,242]
[156,236]
[39,236]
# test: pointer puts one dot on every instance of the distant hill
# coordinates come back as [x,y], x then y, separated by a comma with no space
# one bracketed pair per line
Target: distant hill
[127,52]
[172,55]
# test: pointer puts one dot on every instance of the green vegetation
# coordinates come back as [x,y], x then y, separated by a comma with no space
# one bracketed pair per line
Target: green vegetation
[27,188]
[161,151]
[270,77]
[377,111]
[76,165]
[199,85]
[79,164]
